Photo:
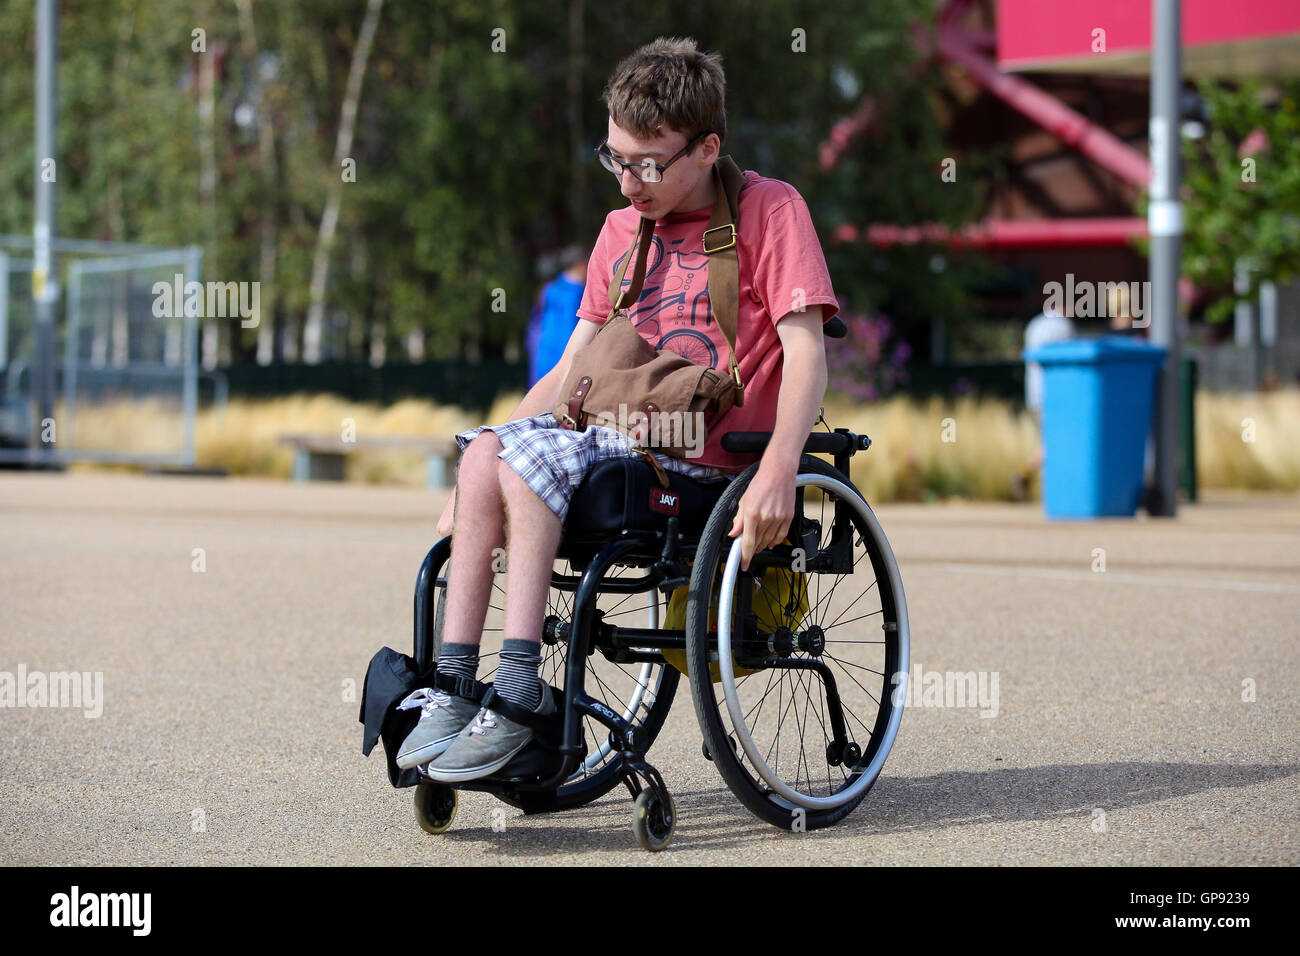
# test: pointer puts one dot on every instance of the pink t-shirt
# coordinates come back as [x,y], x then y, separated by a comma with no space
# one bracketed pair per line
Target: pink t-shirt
[781,270]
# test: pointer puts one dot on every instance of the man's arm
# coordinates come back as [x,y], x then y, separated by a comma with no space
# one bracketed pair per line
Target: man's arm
[545,394]
[767,506]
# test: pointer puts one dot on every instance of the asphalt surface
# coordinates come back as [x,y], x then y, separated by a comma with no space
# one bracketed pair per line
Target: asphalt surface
[227,736]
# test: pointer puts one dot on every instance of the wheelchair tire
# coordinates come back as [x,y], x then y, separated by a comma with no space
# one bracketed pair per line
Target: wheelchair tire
[850,770]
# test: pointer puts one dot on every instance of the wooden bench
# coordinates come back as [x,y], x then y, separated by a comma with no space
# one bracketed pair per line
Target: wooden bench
[320,457]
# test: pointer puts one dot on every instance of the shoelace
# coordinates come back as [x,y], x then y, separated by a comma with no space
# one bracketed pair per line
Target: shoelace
[484,718]
[428,699]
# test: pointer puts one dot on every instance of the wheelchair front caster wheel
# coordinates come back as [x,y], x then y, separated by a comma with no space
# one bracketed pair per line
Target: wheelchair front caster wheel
[654,817]
[435,807]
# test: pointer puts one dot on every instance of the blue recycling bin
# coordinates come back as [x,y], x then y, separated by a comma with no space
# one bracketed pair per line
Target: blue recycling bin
[1097,400]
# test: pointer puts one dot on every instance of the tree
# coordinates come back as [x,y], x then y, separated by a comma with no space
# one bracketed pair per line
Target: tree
[471,138]
[311,335]
[1242,191]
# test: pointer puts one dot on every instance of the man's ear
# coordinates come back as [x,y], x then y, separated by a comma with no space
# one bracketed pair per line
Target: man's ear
[708,152]
[714,142]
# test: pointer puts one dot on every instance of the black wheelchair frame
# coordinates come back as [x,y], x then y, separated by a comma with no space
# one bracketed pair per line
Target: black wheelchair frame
[533,782]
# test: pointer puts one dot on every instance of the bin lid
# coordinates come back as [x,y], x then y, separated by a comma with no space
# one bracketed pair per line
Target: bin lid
[1095,351]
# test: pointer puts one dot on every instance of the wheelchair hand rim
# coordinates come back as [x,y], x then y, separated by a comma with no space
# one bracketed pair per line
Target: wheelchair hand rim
[731,571]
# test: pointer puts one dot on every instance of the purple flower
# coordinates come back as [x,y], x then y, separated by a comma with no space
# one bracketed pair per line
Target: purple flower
[868,364]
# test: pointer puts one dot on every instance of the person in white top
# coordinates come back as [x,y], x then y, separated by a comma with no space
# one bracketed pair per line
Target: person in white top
[1050,326]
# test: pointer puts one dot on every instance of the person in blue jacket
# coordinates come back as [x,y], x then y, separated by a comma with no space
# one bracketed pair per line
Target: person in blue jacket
[556,314]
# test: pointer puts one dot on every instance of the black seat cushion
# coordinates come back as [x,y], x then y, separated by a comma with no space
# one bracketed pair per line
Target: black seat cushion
[623,494]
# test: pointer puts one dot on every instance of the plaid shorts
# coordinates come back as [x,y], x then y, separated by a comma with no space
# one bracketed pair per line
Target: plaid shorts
[553,461]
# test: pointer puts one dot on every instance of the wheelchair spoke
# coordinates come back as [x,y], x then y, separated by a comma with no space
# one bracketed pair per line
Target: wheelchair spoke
[614,611]
[803,750]
[759,705]
[776,741]
[781,722]
[847,609]
[604,687]
[859,666]
[811,687]
[830,786]
[855,680]
[865,729]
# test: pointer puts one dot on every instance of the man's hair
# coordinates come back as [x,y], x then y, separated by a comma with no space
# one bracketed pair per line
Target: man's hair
[669,83]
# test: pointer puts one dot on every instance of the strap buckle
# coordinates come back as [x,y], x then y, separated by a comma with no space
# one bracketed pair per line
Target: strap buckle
[735,377]
[463,687]
[730,240]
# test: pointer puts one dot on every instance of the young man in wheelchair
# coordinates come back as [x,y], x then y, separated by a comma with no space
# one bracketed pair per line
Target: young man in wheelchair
[667,124]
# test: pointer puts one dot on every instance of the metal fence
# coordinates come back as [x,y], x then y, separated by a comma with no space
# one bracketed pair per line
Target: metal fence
[127,375]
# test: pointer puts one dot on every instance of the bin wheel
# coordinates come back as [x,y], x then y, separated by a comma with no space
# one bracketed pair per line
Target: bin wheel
[654,818]
[435,807]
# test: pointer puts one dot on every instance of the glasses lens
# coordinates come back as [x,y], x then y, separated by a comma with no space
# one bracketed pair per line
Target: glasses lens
[649,172]
[607,161]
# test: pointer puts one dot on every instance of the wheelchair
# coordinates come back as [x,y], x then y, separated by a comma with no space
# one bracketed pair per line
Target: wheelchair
[792,664]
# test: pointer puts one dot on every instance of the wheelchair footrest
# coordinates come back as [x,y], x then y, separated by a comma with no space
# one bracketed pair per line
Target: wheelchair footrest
[534,762]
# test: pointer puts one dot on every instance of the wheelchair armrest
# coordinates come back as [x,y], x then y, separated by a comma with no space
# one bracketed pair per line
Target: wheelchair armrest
[819,443]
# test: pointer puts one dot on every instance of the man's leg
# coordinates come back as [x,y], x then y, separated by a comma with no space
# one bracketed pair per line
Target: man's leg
[534,540]
[494,738]
[479,529]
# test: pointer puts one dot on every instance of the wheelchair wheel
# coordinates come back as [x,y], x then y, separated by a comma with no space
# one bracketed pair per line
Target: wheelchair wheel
[435,807]
[641,692]
[817,713]
[654,817]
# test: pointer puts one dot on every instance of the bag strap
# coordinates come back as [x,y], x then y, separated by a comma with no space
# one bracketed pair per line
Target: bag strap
[641,243]
[724,267]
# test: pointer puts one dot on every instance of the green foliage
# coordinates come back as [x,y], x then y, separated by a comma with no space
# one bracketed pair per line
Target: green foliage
[467,166]
[1243,203]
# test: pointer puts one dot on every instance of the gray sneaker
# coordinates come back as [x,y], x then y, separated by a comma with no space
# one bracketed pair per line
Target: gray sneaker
[443,717]
[487,744]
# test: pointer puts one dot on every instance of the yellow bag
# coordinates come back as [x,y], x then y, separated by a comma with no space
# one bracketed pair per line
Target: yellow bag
[780,596]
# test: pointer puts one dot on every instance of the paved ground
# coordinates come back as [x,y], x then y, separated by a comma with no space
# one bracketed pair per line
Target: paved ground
[1122,735]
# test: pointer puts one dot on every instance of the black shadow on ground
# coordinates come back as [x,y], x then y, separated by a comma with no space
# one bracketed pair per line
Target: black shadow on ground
[714,819]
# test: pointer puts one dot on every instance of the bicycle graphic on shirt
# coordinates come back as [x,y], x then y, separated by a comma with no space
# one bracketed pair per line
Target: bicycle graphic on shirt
[692,345]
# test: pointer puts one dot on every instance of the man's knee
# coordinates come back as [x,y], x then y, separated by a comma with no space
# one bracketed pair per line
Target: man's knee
[509,480]
[478,466]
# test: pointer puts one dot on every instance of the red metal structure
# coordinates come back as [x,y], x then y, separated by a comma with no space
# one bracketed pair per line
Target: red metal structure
[1260,35]
[966,49]
[1004,234]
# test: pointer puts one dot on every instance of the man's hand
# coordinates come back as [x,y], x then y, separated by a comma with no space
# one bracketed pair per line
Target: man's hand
[766,510]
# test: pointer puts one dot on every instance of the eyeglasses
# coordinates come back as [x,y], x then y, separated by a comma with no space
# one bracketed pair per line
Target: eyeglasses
[648,171]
